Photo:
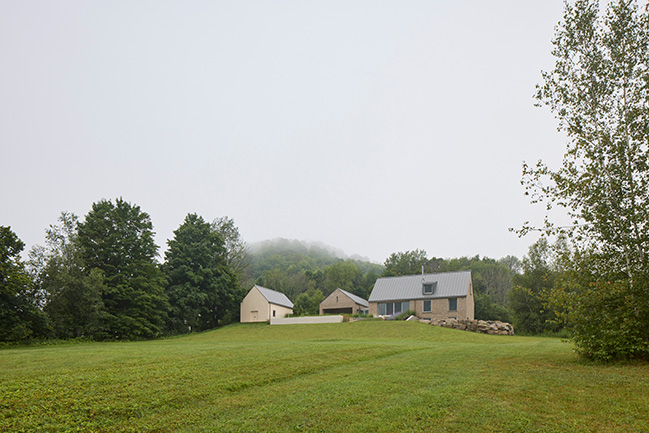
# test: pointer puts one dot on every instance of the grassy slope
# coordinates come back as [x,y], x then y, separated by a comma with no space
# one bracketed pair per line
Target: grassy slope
[348,377]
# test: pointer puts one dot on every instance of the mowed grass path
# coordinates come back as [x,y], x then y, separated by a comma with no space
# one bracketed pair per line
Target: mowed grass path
[368,376]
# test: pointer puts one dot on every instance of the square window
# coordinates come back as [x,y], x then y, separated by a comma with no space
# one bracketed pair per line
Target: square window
[452,304]
[381,309]
[427,306]
[429,288]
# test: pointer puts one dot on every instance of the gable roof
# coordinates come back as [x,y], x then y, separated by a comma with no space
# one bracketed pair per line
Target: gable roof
[356,299]
[449,285]
[274,297]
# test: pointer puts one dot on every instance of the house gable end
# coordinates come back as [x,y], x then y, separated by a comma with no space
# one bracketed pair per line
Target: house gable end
[356,299]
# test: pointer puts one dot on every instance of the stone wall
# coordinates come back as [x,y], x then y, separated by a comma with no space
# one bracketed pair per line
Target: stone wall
[480,326]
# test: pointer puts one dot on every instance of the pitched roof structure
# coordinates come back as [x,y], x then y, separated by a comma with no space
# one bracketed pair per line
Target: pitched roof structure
[275,297]
[408,287]
[356,299]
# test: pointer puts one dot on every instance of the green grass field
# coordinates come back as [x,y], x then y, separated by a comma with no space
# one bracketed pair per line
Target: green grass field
[370,376]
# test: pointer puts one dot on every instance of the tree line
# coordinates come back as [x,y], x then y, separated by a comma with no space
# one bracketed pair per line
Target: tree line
[99,277]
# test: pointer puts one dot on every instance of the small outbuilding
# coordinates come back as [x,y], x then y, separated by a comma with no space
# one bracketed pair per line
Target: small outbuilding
[343,302]
[262,304]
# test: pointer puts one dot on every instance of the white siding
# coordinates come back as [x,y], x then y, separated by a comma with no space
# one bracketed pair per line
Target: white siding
[256,308]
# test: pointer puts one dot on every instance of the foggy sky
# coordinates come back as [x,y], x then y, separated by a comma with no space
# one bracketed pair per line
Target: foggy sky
[374,127]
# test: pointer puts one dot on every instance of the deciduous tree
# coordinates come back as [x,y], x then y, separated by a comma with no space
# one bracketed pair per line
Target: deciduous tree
[201,288]
[116,239]
[405,263]
[20,317]
[237,253]
[528,297]
[308,303]
[72,293]
[599,92]
[343,275]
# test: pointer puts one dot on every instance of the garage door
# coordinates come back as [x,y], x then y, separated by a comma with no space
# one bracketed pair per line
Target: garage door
[337,310]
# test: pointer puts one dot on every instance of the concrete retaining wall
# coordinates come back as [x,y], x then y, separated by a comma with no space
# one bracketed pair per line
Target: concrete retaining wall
[305,320]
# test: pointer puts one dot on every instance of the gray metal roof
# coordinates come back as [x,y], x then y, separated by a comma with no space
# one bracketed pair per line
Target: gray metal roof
[449,285]
[274,297]
[356,299]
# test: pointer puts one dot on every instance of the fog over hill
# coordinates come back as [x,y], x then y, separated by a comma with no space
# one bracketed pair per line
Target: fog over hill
[300,246]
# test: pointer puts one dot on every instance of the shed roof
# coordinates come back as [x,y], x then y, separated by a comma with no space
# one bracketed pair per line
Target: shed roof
[275,297]
[356,299]
[449,285]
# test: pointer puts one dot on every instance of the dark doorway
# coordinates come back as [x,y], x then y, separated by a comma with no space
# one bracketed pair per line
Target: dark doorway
[337,310]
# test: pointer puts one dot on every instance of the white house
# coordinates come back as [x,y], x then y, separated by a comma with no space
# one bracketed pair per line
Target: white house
[262,304]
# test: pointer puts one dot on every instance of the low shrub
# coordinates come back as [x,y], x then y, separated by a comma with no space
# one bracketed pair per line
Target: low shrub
[405,315]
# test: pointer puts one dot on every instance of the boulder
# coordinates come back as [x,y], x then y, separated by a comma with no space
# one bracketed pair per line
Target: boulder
[480,326]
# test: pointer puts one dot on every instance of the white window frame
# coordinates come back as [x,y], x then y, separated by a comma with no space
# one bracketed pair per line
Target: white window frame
[390,308]
[429,288]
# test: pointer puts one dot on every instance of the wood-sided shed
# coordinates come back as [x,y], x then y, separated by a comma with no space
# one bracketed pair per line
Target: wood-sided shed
[342,302]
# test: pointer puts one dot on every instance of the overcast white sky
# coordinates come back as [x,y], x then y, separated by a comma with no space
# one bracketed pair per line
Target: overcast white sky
[371,126]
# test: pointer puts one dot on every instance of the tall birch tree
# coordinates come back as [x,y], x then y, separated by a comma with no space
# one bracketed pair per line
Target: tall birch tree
[599,93]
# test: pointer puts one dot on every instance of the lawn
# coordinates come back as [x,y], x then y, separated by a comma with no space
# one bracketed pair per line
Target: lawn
[368,376]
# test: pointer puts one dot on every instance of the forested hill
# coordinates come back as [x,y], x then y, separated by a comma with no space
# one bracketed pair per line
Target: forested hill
[294,267]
